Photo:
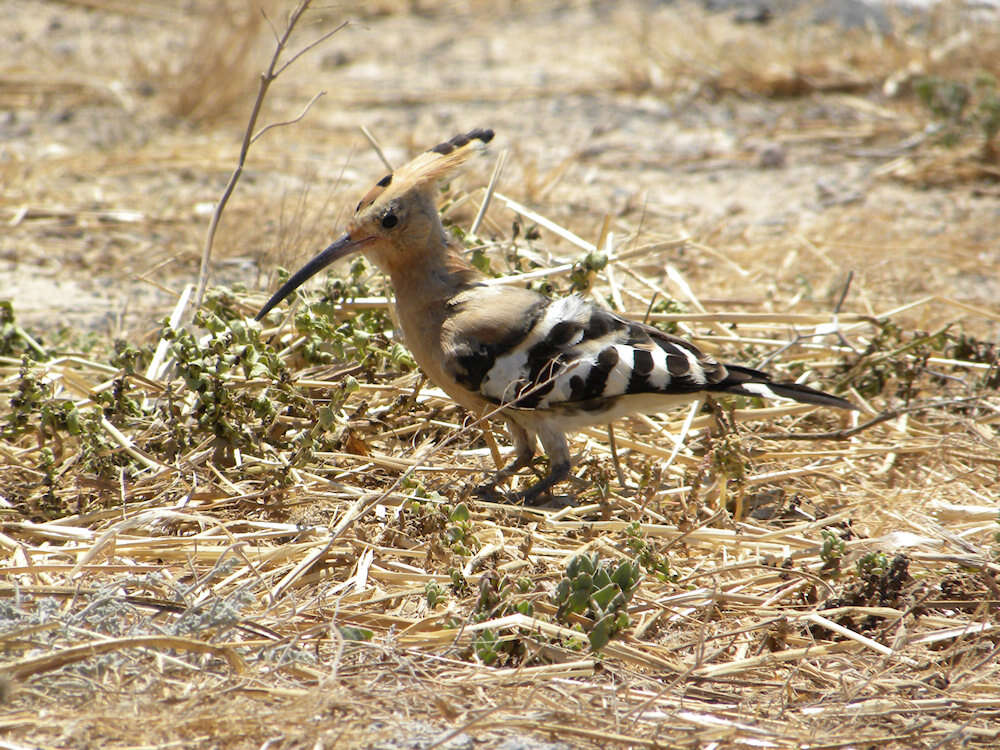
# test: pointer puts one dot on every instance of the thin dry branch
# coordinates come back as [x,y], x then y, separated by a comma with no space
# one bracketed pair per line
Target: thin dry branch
[266,79]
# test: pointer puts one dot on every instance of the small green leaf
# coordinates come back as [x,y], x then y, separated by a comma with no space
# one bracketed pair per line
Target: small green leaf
[561,594]
[579,600]
[352,633]
[602,597]
[485,645]
[624,575]
[573,568]
[434,593]
[601,578]
[601,633]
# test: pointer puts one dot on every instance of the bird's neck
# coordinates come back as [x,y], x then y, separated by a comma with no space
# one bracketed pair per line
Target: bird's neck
[433,276]
[423,289]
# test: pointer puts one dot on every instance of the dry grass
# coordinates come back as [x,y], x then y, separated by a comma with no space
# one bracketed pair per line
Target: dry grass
[305,577]
[190,574]
[793,57]
[688,53]
[210,71]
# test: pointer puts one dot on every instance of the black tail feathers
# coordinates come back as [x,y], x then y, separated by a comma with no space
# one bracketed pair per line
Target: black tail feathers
[745,381]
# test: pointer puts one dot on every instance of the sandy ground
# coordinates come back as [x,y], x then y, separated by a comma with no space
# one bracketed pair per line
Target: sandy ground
[106,196]
[107,182]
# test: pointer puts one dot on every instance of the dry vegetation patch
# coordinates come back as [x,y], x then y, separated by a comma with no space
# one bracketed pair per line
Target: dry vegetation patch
[221,534]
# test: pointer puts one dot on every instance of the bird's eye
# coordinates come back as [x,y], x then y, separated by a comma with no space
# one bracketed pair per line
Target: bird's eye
[389,220]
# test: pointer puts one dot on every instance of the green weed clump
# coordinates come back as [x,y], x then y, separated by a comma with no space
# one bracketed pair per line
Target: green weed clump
[963,109]
[225,387]
[14,340]
[831,552]
[592,598]
[500,596]
[602,591]
[899,360]
[646,553]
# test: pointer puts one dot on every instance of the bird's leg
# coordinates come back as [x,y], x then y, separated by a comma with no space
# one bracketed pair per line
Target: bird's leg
[537,493]
[554,444]
[524,451]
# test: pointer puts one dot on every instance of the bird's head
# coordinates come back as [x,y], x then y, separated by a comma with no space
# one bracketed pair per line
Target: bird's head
[397,219]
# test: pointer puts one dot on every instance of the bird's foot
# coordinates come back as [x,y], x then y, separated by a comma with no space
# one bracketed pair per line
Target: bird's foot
[489,492]
[529,497]
[538,495]
[543,499]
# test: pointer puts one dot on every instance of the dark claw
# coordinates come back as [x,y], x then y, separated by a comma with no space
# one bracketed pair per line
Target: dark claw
[490,493]
[543,499]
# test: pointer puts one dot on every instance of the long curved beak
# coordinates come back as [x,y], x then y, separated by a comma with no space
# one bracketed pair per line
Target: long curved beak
[344,246]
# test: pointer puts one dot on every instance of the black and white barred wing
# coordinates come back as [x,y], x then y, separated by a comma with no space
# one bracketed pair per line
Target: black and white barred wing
[546,354]
[517,347]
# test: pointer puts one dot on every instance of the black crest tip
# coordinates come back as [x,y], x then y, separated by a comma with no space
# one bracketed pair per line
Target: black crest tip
[479,134]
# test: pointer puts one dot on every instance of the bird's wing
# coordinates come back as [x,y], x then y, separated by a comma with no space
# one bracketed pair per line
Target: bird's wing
[519,347]
[513,346]
[484,323]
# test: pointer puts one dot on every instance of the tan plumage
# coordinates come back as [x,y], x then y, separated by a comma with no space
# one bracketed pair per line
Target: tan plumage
[555,365]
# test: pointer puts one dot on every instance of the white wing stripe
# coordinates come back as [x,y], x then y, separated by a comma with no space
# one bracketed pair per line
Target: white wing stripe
[507,371]
[697,371]
[760,389]
[659,378]
[572,309]
[621,373]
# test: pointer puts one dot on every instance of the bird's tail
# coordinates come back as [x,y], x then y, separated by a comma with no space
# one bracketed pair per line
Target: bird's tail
[745,381]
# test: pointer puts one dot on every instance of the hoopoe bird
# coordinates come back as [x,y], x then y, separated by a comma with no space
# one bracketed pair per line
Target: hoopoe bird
[545,366]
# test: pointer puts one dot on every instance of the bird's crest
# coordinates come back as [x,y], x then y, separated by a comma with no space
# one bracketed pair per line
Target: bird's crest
[429,167]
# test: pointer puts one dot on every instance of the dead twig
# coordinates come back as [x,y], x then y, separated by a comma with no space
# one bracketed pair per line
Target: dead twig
[266,79]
